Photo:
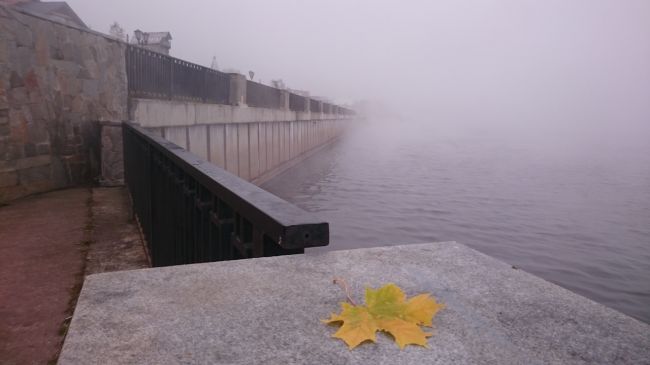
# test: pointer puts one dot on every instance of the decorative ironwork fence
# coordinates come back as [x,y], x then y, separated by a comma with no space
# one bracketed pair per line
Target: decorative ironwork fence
[262,96]
[157,76]
[193,211]
[314,106]
[154,75]
[297,102]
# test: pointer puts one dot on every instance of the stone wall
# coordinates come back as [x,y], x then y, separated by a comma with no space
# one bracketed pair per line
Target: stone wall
[58,85]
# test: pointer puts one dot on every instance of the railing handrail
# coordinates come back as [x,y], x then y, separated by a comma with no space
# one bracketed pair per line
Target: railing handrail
[287,224]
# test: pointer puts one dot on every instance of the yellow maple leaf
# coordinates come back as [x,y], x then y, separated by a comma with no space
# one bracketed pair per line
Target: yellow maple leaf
[386,310]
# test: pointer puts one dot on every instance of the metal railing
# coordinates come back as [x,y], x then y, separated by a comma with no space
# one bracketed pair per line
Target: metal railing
[314,106]
[154,75]
[297,102]
[262,96]
[157,76]
[193,211]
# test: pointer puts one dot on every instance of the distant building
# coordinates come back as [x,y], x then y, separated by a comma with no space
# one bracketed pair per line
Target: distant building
[159,42]
[58,11]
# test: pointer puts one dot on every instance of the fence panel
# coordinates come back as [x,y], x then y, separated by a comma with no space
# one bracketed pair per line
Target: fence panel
[297,102]
[157,76]
[262,96]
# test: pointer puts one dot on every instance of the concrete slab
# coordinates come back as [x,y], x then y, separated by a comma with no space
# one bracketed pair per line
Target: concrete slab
[267,311]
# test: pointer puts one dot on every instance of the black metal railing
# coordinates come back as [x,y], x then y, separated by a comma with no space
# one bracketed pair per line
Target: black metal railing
[154,75]
[193,211]
[314,106]
[262,96]
[297,102]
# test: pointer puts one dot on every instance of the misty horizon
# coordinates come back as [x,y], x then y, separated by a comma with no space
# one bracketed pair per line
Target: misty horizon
[584,62]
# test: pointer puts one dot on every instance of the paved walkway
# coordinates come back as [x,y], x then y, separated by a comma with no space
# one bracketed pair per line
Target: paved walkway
[116,243]
[44,241]
[41,265]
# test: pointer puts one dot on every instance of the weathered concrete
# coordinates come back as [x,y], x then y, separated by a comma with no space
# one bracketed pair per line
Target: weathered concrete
[152,113]
[116,243]
[267,311]
[254,151]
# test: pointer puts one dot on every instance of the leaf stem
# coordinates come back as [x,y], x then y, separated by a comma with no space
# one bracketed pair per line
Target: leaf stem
[344,285]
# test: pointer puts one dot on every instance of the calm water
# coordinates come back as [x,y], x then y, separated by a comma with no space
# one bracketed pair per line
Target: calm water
[576,216]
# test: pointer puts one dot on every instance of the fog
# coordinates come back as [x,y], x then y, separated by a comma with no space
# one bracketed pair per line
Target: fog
[520,128]
[556,67]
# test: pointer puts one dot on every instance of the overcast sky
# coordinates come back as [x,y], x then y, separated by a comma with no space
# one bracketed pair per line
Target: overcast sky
[587,61]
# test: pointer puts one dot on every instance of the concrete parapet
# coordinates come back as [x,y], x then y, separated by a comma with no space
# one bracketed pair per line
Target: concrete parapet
[237,89]
[267,311]
[153,113]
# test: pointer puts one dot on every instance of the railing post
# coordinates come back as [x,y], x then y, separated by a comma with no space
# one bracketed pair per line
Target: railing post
[237,89]
[171,78]
[284,99]
[204,93]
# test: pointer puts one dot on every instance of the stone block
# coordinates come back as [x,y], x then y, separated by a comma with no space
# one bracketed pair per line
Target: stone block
[34,175]
[72,52]
[4,50]
[23,36]
[43,148]
[8,179]
[42,49]
[13,151]
[15,80]
[27,114]
[30,149]
[18,97]
[4,145]
[494,314]
[7,165]
[90,88]
[35,161]
[40,112]
[4,129]
[4,100]
[37,133]
[56,52]
[59,172]
[112,164]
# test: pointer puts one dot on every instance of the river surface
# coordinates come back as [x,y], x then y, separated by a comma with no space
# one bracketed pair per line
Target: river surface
[576,216]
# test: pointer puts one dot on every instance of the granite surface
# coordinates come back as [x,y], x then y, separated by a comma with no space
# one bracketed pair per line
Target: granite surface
[267,311]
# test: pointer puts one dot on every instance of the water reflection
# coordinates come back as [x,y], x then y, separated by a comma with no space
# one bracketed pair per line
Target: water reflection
[581,220]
